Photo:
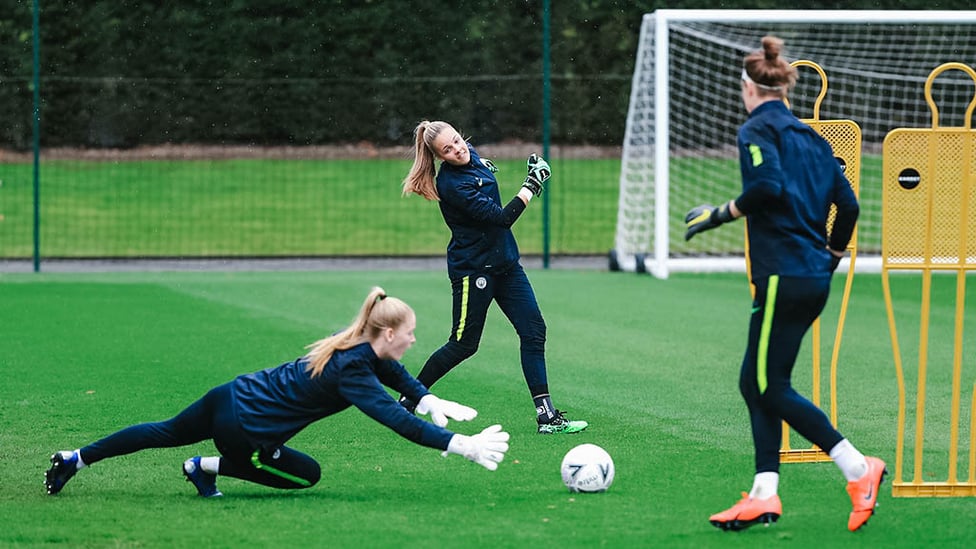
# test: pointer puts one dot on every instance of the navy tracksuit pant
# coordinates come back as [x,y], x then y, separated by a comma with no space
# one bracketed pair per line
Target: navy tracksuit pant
[783,310]
[213,417]
[473,295]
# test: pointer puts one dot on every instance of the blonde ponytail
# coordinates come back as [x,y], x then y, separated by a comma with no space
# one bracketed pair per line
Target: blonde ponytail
[421,179]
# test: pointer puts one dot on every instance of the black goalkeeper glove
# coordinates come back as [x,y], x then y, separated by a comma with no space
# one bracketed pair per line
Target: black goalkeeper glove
[834,260]
[539,173]
[706,217]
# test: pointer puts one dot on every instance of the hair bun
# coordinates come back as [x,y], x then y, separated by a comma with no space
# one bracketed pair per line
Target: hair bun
[772,46]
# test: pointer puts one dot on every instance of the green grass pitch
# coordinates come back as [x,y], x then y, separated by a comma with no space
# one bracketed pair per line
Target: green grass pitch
[652,365]
[271,207]
[266,207]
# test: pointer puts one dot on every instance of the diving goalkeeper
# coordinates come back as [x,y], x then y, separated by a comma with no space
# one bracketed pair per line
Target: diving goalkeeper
[251,418]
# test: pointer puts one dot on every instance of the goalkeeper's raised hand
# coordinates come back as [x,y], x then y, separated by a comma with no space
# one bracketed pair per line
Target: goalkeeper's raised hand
[487,448]
[705,217]
[440,409]
[539,173]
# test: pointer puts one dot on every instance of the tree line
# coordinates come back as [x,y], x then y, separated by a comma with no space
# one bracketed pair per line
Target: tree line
[124,73]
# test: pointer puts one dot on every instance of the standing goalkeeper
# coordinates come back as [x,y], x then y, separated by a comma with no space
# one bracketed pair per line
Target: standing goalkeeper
[789,181]
[483,259]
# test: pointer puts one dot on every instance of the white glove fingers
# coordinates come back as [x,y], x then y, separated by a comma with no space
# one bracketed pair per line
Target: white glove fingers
[440,410]
[487,448]
[496,446]
[498,437]
[459,412]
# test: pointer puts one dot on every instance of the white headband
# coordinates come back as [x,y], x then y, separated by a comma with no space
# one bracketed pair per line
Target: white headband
[745,77]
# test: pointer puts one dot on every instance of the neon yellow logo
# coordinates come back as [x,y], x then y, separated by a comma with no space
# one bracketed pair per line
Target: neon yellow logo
[701,217]
[756,155]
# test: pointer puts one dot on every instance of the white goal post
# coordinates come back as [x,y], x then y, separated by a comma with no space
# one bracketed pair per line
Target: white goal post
[685,109]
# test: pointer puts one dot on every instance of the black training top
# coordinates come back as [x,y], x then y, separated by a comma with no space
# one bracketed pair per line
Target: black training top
[789,180]
[481,234]
[275,404]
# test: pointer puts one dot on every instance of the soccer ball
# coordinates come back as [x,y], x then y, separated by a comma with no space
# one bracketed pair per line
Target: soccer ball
[587,468]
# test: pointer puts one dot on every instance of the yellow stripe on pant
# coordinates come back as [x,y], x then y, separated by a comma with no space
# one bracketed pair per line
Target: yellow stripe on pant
[767,327]
[465,285]
[256,461]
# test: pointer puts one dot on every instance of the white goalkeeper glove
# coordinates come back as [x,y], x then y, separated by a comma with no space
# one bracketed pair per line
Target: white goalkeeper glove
[440,409]
[487,448]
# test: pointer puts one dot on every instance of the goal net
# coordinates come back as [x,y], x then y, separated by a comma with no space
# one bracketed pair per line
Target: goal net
[685,108]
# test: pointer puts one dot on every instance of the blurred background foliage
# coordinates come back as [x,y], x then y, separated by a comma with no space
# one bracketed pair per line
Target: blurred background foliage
[125,73]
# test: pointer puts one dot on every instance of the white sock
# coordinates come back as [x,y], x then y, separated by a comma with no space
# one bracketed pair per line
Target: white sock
[210,464]
[765,485]
[66,454]
[849,460]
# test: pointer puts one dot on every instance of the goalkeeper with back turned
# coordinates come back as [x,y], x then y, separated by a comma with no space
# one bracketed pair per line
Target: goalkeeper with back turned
[789,181]
[483,259]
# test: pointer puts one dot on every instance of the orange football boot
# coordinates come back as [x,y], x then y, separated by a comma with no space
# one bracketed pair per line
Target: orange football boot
[747,512]
[864,493]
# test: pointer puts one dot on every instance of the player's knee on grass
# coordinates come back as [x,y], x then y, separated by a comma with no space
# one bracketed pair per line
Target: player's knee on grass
[287,468]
